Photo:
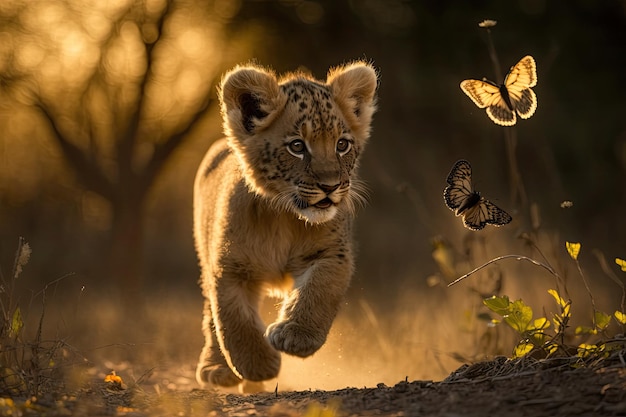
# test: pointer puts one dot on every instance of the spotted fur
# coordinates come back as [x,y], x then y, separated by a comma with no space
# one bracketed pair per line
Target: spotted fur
[273,209]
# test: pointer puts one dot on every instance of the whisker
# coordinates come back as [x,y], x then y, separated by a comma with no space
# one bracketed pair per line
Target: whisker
[358,196]
[283,201]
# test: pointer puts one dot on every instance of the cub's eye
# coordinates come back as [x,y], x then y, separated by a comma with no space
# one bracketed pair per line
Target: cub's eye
[296,147]
[343,146]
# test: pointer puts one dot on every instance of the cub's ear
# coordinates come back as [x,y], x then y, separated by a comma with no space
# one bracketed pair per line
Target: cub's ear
[250,100]
[354,89]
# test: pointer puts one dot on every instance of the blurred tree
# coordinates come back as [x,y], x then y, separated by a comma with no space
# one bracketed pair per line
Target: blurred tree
[120,84]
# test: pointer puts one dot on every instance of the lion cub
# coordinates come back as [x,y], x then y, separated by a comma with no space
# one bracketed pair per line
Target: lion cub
[273,209]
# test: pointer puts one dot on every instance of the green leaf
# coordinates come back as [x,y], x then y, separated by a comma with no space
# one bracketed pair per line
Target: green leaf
[541,323]
[522,349]
[585,350]
[499,305]
[565,305]
[16,323]
[620,317]
[519,317]
[573,248]
[560,320]
[585,330]
[554,293]
[602,320]
[551,348]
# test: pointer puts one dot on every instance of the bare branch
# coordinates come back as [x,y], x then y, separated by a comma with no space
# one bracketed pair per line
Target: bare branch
[126,146]
[164,150]
[499,258]
[87,172]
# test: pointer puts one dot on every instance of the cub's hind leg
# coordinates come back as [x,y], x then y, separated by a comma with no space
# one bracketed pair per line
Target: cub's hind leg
[212,369]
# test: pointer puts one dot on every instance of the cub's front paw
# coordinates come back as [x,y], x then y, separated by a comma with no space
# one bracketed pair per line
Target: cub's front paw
[295,339]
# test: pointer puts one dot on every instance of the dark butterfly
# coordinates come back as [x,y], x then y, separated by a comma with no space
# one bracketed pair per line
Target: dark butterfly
[461,198]
[503,101]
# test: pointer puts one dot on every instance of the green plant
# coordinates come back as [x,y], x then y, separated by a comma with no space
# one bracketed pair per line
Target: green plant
[29,365]
[11,380]
[534,333]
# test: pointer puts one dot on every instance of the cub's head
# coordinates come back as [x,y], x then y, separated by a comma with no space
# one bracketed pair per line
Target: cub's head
[298,139]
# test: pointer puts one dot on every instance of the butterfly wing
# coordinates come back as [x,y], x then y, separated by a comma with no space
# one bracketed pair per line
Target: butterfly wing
[501,115]
[461,198]
[486,94]
[483,93]
[459,187]
[484,213]
[518,82]
[524,73]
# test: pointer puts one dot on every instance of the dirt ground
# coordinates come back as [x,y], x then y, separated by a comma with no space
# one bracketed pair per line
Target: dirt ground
[501,387]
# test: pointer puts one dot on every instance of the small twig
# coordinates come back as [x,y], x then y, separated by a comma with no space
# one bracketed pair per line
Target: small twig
[499,258]
[493,55]
[611,274]
[517,189]
[53,282]
[593,302]
[145,376]
[559,282]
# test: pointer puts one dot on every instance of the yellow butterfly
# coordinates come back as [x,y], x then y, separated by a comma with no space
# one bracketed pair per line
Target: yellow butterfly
[514,96]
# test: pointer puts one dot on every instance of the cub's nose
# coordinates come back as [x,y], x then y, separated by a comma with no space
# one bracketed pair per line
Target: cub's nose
[328,188]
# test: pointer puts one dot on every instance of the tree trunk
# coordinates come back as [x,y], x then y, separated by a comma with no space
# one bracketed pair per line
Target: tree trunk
[125,258]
